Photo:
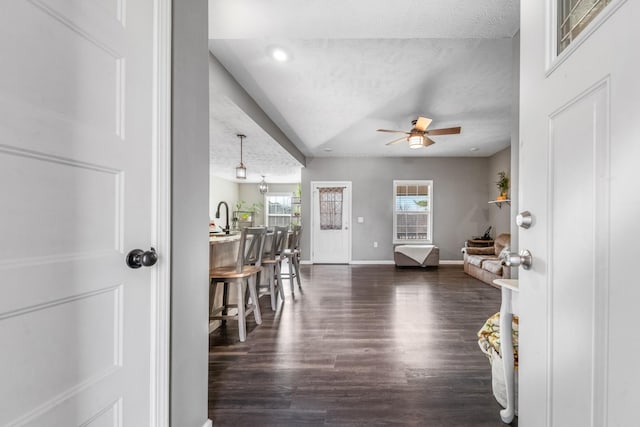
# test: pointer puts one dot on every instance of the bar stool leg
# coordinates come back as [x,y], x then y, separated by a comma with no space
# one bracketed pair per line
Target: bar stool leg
[225,301]
[272,287]
[279,280]
[251,284]
[212,295]
[296,264]
[242,322]
[291,269]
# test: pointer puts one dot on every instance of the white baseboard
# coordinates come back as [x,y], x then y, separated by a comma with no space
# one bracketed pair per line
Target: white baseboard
[209,423]
[451,262]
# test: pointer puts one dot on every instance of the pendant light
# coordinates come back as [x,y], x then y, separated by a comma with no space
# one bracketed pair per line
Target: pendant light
[241,171]
[263,187]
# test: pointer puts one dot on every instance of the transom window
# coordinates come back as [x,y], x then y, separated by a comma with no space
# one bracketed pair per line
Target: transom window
[412,211]
[574,16]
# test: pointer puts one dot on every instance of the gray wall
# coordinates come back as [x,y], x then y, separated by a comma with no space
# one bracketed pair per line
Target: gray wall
[190,211]
[460,200]
[499,217]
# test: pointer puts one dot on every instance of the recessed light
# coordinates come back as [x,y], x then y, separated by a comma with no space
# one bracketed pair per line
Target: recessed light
[473,149]
[279,54]
[328,149]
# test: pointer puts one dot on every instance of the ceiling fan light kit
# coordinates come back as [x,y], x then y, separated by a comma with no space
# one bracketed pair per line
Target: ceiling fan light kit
[418,134]
[416,141]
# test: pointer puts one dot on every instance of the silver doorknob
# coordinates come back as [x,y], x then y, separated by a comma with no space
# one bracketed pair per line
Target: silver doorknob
[138,258]
[524,219]
[512,259]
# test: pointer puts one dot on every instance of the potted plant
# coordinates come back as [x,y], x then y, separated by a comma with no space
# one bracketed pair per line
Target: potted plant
[503,185]
[243,215]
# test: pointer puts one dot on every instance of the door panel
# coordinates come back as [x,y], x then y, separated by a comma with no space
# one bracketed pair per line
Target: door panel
[331,246]
[75,170]
[578,137]
[577,345]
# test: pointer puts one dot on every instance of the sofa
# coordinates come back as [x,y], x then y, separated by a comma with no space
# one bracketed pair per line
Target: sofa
[484,263]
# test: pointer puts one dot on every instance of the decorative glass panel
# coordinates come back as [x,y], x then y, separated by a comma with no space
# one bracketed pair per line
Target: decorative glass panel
[331,208]
[574,16]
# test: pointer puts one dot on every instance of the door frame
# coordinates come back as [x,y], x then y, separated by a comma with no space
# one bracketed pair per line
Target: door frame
[346,184]
[160,292]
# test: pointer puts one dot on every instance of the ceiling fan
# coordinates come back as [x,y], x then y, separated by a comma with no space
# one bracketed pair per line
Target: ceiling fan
[418,136]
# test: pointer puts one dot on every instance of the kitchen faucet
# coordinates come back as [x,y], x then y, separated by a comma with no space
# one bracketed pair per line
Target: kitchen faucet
[226,206]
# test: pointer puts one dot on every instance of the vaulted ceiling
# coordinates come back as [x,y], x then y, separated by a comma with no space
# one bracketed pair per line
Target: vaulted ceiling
[358,65]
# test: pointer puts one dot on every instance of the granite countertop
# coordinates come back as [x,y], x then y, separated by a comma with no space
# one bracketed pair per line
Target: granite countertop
[223,238]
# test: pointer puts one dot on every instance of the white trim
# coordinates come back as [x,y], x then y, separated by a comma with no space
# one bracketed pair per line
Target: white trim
[394,231]
[553,59]
[348,185]
[451,262]
[266,204]
[208,423]
[160,310]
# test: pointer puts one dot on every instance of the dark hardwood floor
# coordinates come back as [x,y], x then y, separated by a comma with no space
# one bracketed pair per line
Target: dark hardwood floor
[362,345]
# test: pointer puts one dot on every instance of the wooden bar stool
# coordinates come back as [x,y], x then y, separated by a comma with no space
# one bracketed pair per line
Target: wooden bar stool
[244,276]
[272,265]
[292,254]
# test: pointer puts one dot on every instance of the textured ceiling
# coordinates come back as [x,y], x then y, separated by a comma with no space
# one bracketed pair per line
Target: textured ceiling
[361,65]
[261,155]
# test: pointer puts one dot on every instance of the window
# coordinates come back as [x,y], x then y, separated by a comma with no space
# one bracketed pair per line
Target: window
[278,211]
[574,16]
[413,204]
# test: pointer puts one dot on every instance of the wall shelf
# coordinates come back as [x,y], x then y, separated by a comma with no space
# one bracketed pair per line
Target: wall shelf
[499,203]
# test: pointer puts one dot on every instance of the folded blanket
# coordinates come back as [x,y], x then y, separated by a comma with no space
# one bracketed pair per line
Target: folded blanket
[418,253]
[489,336]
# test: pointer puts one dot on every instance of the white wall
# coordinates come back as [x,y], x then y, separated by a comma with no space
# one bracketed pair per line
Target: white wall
[222,190]
[499,217]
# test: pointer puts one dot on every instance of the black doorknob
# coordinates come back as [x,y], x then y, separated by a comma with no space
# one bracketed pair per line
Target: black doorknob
[138,258]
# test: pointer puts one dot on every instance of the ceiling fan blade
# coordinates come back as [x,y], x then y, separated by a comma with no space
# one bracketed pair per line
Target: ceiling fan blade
[396,141]
[428,141]
[422,123]
[391,131]
[444,131]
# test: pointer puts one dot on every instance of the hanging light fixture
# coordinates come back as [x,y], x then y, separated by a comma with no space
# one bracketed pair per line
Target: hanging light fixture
[263,187]
[241,171]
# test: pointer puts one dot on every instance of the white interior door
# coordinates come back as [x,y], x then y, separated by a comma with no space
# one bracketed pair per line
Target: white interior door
[331,222]
[75,172]
[579,154]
